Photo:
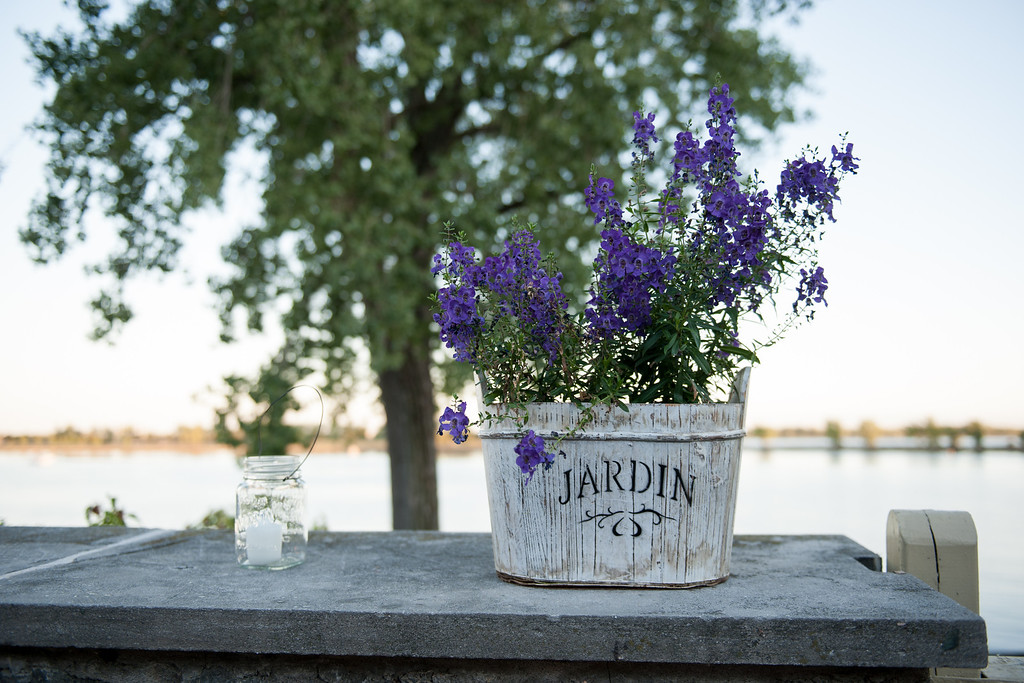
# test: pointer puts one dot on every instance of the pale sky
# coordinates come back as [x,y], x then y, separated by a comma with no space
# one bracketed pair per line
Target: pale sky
[926,297]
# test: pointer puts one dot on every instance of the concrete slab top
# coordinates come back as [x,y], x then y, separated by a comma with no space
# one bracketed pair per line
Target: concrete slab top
[790,600]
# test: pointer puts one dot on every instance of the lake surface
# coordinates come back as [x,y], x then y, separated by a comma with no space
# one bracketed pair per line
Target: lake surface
[808,491]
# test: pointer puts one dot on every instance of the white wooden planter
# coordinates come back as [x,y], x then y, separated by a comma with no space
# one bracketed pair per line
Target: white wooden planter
[639,498]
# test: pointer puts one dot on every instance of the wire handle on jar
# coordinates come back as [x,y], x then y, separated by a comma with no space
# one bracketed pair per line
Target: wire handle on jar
[259,425]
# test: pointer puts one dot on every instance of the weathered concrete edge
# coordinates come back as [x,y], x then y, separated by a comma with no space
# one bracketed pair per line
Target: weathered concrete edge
[72,664]
[479,636]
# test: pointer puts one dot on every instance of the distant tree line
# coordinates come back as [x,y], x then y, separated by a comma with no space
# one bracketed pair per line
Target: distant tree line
[930,435]
[123,437]
[192,437]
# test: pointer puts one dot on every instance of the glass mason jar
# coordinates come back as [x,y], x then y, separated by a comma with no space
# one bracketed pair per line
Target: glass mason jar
[270,513]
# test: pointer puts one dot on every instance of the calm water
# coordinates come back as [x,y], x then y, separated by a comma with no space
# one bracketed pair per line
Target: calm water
[781,492]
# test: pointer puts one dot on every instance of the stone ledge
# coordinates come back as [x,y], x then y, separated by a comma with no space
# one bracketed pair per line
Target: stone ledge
[145,667]
[792,601]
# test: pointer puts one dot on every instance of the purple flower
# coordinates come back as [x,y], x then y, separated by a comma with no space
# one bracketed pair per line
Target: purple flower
[807,181]
[731,232]
[811,288]
[531,455]
[689,157]
[524,290]
[721,131]
[455,423]
[627,275]
[845,159]
[600,199]
[459,321]
[458,318]
[731,240]
[643,132]
[719,150]
[720,104]
[457,258]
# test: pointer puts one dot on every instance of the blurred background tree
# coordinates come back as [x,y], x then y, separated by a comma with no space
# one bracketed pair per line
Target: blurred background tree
[869,431]
[834,433]
[374,123]
[929,432]
[976,432]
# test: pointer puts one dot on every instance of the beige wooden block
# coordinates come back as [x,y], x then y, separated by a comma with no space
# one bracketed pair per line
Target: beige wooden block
[956,541]
[909,546]
[940,547]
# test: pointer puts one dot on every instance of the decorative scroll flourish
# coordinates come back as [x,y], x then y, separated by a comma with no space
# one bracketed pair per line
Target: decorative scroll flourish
[619,516]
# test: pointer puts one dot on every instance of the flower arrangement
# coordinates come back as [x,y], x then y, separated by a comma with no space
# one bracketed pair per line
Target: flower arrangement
[676,275]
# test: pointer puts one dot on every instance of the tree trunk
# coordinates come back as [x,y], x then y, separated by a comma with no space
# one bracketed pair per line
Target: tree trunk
[408,397]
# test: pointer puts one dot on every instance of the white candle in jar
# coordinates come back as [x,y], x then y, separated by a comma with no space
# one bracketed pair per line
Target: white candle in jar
[263,542]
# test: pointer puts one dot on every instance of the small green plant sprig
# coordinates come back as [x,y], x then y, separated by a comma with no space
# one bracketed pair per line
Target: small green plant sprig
[96,515]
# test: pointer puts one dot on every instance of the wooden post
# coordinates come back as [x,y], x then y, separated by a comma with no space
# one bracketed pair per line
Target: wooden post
[941,548]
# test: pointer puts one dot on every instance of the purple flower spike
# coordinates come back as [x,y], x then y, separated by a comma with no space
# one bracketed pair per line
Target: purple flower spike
[643,132]
[458,318]
[810,182]
[811,288]
[600,199]
[531,454]
[627,275]
[459,322]
[525,291]
[455,423]
[845,160]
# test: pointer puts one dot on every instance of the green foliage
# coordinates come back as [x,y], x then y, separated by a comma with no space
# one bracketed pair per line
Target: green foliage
[267,433]
[96,515]
[215,519]
[376,121]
